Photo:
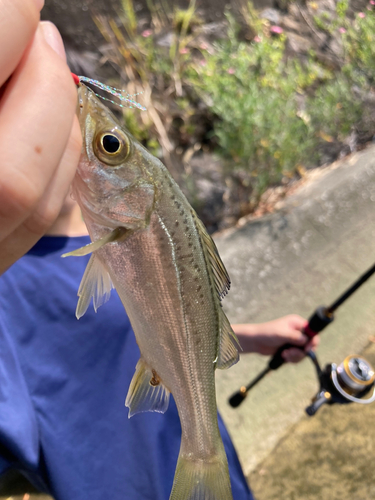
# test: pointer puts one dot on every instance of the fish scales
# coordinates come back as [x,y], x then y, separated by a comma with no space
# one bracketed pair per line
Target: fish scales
[172,334]
[148,241]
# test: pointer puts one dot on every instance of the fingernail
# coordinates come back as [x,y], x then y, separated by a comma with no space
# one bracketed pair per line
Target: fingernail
[53,38]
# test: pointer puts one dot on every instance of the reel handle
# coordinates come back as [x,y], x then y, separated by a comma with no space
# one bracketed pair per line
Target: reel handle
[323,397]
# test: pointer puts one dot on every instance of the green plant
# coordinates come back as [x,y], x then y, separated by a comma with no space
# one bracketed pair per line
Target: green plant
[331,22]
[253,91]
[269,112]
[359,47]
[335,109]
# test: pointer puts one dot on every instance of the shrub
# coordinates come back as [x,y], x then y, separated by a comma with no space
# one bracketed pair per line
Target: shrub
[254,92]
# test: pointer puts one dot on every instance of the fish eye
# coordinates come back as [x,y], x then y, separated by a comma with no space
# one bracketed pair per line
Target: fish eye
[110,143]
[111,147]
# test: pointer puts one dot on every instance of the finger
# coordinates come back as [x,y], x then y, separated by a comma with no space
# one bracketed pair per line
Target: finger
[293,355]
[42,92]
[53,38]
[18,22]
[297,322]
[295,337]
[50,205]
[28,233]
[312,344]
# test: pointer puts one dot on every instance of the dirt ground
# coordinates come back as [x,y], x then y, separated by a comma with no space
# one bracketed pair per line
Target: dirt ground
[328,456]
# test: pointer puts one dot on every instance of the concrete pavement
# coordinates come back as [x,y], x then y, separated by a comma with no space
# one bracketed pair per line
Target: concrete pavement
[304,255]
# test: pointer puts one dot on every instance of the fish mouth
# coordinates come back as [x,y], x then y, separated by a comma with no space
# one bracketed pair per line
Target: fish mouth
[82,105]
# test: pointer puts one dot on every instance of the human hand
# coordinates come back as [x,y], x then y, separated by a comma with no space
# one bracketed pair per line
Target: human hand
[40,139]
[266,338]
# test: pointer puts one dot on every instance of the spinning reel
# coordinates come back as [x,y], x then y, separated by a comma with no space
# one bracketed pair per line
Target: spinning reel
[349,382]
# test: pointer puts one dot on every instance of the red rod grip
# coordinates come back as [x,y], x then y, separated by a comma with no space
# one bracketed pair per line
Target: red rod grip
[308,332]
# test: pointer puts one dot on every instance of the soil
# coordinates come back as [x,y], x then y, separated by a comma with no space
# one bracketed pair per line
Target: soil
[325,456]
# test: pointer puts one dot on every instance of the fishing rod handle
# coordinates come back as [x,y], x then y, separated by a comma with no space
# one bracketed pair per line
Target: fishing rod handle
[237,398]
[277,359]
[317,322]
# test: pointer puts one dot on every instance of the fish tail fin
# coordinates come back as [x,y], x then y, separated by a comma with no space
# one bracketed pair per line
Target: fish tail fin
[201,480]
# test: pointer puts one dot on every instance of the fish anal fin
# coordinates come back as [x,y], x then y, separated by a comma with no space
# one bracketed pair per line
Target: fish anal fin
[96,284]
[220,274]
[146,391]
[228,345]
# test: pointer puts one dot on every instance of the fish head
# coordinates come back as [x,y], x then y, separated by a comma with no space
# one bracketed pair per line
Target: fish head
[115,180]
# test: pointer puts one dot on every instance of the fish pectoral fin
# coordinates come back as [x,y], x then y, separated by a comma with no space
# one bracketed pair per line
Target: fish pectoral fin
[146,391]
[96,283]
[118,234]
[220,274]
[228,347]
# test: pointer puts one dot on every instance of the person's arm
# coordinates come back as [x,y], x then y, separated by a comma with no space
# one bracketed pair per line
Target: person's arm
[266,338]
[40,139]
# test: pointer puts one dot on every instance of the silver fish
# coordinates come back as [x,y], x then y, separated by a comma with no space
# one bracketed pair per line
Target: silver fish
[149,244]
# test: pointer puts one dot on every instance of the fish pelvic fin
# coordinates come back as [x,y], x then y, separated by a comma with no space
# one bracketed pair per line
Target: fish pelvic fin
[146,392]
[96,283]
[118,234]
[201,480]
[228,345]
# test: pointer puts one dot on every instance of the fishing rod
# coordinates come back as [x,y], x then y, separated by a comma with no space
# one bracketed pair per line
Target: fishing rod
[359,372]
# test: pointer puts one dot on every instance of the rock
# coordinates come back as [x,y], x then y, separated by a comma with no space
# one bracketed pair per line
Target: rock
[326,7]
[215,30]
[291,24]
[298,44]
[209,187]
[165,40]
[271,15]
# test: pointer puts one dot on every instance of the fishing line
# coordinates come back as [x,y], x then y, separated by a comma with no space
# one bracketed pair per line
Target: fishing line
[111,90]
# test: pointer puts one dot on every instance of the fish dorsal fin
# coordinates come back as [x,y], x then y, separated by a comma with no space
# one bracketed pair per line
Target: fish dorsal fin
[228,344]
[220,274]
[146,391]
[96,284]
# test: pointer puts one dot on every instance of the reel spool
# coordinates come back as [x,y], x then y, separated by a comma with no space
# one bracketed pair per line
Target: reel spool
[347,383]
[355,376]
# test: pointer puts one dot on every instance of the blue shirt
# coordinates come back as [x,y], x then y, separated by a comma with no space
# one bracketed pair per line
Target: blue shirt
[63,384]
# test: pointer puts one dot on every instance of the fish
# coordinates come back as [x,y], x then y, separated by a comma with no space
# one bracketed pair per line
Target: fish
[148,243]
